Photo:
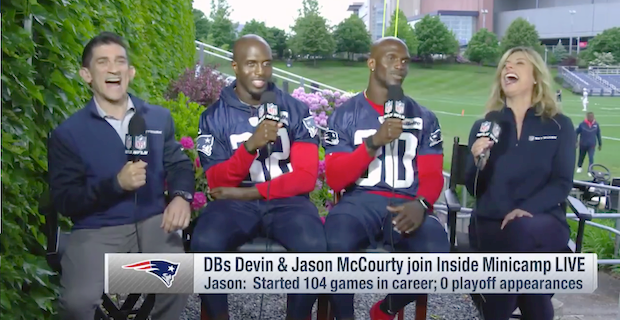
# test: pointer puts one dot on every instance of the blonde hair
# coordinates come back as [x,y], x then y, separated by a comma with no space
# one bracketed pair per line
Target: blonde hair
[543,96]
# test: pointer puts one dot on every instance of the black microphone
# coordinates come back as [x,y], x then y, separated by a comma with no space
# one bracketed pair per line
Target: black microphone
[394,107]
[136,142]
[489,128]
[268,110]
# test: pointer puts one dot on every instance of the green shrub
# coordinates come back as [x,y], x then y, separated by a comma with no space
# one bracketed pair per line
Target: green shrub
[41,87]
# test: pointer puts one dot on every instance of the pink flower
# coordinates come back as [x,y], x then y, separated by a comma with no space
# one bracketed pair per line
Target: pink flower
[199,201]
[321,167]
[197,163]
[323,219]
[187,143]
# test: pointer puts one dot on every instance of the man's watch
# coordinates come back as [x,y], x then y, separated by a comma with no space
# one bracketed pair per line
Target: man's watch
[185,195]
[424,203]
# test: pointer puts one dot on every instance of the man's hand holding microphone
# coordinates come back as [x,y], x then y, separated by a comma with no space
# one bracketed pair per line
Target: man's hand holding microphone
[392,126]
[132,176]
[269,123]
[265,134]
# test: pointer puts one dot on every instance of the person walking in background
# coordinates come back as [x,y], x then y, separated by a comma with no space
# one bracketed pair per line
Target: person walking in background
[558,95]
[588,134]
[584,99]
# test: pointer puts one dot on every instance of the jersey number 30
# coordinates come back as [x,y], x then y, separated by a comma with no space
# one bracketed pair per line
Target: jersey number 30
[272,163]
[392,161]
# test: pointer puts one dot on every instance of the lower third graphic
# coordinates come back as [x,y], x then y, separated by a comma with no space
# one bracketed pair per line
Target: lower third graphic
[164,270]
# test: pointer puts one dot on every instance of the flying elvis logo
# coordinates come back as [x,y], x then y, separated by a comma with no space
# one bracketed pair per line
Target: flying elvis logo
[162,269]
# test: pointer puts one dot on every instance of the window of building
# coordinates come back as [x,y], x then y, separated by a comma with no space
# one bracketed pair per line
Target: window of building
[462,26]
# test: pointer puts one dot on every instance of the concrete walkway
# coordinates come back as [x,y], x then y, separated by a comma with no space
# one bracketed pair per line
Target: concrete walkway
[603,304]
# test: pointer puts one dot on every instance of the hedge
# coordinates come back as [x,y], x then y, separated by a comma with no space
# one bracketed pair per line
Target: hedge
[40,88]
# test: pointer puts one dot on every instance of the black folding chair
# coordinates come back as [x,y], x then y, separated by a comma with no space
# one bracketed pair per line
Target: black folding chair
[459,241]
[56,244]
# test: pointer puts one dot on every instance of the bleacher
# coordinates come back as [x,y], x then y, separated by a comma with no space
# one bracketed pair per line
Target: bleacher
[614,79]
[599,81]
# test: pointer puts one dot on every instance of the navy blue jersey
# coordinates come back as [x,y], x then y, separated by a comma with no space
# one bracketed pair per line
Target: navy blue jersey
[393,166]
[226,124]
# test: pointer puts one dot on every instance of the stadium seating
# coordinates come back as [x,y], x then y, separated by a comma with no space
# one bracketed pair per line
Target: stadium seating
[459,241]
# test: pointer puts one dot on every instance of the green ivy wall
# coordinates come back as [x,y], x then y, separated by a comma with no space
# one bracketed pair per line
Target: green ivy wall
[40,88]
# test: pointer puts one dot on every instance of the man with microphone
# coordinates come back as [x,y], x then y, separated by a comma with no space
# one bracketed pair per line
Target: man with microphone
[385,151]
[259,147]
[106,167]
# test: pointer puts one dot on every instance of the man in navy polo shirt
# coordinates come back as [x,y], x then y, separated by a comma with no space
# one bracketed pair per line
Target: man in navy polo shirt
[115,205]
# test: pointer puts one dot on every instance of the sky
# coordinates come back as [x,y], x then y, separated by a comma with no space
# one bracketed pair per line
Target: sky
[278,13]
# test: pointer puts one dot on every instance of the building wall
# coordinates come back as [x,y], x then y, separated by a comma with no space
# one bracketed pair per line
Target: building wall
[557,22]
[372,14]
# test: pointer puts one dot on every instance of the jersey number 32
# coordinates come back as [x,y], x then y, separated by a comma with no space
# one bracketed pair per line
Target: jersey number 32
[392,161]
[272,162]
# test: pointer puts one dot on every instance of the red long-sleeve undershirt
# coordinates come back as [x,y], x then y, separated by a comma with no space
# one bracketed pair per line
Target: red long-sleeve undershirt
[344,168]
[304,160]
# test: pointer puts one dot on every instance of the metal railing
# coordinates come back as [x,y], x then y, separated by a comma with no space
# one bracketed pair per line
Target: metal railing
[284,75]
[602,81]
[606,69]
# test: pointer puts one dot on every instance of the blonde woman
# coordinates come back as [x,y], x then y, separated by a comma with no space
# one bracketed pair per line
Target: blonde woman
[521,188]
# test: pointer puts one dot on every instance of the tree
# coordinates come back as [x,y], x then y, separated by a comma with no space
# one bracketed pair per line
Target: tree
[255,27]
[274,36]
[435,38]
[560,52]
[202,24]
[602,59]
[483,47]
[606,41]
[222,32]
[279,39]
[521,33]
[405,32]
[351,36]
[312,36]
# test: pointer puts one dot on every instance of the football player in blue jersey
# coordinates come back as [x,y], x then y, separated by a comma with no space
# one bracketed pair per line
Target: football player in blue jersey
[258,192]
[389,187]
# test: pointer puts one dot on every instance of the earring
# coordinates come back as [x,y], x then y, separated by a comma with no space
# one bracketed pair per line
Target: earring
[372,70]
[535,82]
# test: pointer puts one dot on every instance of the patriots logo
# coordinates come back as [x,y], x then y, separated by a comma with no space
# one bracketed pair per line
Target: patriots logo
[331,137]
[162,269]
[310,124]
[204,144]
[435,138]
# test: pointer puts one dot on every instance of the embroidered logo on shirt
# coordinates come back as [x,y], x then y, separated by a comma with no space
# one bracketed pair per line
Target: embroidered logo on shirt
[204,144]
[540,138]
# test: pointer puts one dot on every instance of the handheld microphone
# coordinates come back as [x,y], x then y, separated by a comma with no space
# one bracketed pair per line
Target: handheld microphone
[268,110]
[136,142]
[136,146]
[491,129]
[394,107]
